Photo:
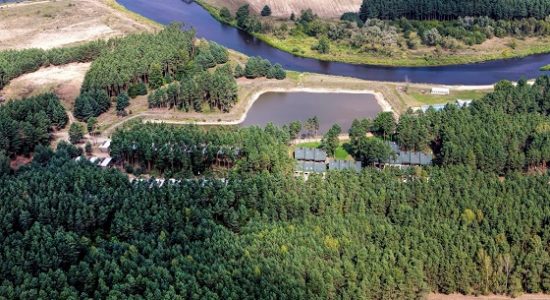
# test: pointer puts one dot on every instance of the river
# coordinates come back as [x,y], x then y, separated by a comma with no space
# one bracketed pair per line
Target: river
[330,108]
[193,15]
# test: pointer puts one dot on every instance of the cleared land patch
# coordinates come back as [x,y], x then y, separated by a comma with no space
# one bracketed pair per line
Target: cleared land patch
[50,24]
[324,8]
[64,80]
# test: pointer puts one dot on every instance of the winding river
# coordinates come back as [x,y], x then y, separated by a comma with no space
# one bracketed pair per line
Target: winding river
[193,15]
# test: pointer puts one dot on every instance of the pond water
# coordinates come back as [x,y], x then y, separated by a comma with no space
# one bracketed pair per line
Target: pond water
[330,108]
[193,15]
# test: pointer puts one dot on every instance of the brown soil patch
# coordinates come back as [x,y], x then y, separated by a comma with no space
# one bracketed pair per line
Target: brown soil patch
[49,24]
[324,8]
[64,80]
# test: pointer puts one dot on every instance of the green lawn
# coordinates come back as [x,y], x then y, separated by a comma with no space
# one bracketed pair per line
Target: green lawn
[424,96]
[545,68]
[340,153]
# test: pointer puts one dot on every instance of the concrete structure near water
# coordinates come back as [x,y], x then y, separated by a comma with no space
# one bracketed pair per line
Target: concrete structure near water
[440,91]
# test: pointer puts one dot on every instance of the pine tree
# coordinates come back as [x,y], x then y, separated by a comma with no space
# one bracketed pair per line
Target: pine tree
[76,133]
[156,79]
[122,101]
[239,72]
[266,11]
[225,14]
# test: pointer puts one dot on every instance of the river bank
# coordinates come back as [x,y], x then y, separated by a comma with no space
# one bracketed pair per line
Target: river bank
[204,23]
[304,46]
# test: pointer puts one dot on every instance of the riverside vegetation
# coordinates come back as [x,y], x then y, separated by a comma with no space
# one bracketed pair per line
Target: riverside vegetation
[409,33]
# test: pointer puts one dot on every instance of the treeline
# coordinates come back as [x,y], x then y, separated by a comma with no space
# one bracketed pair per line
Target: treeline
[218,90]
[452,9]
[259,67]
[14,63]
[72,230]
[26,123]
[191,150]
[140,58]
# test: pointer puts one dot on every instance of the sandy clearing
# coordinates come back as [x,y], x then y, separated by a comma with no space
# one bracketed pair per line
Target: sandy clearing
[56,23]
[324,8]
[64,80]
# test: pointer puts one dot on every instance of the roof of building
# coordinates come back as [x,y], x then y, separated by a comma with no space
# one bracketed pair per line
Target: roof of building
[440,90]
[463,102]
[106,162]
[94,159]
[310,166]
[300,154]
[409,157]
[310,154]
[344,165]
[105,144]
[436,107]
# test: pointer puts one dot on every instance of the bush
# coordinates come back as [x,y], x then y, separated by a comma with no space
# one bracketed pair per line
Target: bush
[137,89]
[225,14]
[431,37]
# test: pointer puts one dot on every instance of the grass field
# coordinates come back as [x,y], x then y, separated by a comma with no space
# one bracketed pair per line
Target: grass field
[424,96]
[490,50]
[340,153]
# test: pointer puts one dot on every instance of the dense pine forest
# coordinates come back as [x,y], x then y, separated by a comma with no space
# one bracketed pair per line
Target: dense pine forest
[190,150]
[452,9]
[26,123]
[72,230]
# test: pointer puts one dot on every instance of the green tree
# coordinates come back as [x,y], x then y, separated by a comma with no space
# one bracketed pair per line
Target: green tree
[331,140]
[384,124]
[242,15]
[323,46]
[91,124]
[239,71]
[156,79]
[266,11]
[122,101]
[225,14]
[76,133]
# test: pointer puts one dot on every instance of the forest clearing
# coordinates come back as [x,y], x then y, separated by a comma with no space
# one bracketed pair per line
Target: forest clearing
[324,8]
[49,24]
[65,81]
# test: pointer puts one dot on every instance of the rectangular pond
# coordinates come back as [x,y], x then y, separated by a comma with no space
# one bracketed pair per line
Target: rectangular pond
[331,108]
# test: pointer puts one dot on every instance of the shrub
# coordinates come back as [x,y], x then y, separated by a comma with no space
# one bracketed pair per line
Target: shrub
[137,89]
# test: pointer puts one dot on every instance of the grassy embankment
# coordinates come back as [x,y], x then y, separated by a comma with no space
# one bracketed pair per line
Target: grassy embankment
[423,96]
[493,49]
